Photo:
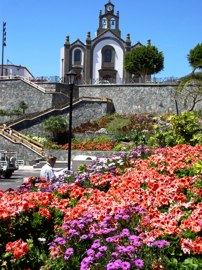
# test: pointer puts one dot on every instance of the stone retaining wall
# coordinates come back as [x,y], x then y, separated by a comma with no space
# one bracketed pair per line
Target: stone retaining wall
[12,92]
[83,111]
[15,91]
[23,152]
[137,98]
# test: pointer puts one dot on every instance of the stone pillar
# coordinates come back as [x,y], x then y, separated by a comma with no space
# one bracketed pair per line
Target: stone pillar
[88,68]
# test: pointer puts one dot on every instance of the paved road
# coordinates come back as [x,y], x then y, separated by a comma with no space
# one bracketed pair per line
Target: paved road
[17,177]
[24,171]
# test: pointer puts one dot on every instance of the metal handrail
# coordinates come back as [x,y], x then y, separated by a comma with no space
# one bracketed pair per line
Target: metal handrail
[63,107]
[17,137]
[40,153]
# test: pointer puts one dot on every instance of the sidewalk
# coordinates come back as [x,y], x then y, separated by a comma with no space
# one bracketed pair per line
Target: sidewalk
[28,168]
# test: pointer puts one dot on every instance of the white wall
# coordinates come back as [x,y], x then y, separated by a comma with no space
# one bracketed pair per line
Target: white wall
[97,59]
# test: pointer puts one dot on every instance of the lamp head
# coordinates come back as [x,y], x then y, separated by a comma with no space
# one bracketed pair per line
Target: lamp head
[71,77]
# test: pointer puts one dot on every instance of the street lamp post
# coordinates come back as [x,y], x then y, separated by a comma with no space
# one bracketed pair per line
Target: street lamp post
[3,45]
[71,77]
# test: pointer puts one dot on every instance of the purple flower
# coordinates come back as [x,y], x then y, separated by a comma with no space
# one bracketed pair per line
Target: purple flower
[135,240]
[96,244]
[139,263]
[118,264]
[106,231]
[130,249]
[81,225]
[60,240]
[125,233]
[90,252]
[102,248]
[85,263]
[84,237]
[68,253]
[121,249]
[126,265]
[115,254]
[112,239]
[114,265]
[73,232]
[99,255]
[125,217]
[110,266]
[159,244]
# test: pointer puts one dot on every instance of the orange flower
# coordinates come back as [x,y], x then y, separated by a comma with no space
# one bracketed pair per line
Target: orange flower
[44,212]
[18,248]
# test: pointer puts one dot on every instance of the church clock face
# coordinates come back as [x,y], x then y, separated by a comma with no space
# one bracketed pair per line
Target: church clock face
[109,8]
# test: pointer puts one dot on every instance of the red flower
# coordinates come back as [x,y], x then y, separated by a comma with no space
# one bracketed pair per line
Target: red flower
[18,248]
[44,212]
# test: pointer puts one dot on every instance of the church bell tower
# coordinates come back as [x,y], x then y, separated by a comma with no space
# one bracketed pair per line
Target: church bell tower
[109,20]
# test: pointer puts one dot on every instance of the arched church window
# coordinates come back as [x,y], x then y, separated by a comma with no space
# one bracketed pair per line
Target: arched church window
[112,23]
[77,55]
[104,23]
[107,55]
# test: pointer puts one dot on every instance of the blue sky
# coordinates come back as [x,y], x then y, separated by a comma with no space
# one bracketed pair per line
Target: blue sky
[36,30]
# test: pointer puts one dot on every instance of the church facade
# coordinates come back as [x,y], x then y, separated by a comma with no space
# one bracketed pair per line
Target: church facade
[101,59]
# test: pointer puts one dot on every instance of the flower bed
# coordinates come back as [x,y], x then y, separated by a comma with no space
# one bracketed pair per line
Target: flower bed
[140,210]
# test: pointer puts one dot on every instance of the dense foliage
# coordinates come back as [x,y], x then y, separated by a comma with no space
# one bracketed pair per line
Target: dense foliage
[195,57]
[123,132]
[144,60]
[57,127]
[177,129]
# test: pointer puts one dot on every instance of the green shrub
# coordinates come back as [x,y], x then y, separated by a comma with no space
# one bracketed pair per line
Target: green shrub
[123,146]
[97,139]
[177,129]
[3,112]
[118,125]
[10,113]
[135,136]
[57,126]
[185,124]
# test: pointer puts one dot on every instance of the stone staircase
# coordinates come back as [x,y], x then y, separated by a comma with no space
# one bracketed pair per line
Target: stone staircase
[19,138]
[52,111]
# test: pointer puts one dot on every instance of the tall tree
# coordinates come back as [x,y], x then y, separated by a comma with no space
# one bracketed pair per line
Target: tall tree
[195,57]
[143,61]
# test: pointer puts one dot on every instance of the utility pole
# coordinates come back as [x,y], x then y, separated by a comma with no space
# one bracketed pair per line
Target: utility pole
[3,45]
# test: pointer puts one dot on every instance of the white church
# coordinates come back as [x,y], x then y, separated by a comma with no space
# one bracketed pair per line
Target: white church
[100,59]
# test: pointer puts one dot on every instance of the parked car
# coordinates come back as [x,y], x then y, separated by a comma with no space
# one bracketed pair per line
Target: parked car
[8,163]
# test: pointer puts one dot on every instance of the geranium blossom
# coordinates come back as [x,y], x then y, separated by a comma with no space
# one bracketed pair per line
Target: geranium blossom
[17,248]
[161,192]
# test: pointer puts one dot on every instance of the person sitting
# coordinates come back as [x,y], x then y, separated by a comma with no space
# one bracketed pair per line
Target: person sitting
[47,170]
